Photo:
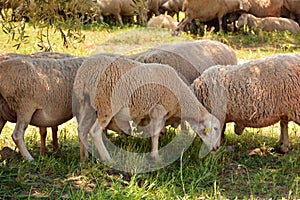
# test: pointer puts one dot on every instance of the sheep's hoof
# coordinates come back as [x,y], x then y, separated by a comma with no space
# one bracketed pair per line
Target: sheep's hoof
[284,148]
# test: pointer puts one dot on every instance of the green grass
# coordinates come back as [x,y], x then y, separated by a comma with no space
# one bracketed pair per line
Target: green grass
[229,174]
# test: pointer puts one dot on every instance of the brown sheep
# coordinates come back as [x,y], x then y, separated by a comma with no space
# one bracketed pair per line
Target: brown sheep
[172,7]
[206,10]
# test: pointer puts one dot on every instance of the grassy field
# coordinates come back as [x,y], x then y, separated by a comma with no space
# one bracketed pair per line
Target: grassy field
[245,167]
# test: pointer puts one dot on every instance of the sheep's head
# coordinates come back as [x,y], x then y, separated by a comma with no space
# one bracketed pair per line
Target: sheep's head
[210,132]
[243,20]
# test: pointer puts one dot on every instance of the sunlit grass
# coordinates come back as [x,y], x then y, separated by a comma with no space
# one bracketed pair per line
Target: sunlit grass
[231,173]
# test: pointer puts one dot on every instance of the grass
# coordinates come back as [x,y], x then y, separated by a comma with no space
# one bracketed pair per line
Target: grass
[232,173]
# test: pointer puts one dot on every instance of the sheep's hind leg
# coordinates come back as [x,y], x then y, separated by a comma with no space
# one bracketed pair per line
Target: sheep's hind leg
[43,134]
[18,137]
[97,136]
[54,137]
[284,137]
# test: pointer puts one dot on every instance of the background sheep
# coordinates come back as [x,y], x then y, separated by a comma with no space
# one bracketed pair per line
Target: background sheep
[153,7]
[189,59]
[36,91]
[291,9]
[255,94]
[206,10]
[265,8]
[172,7]
[118,8]
[269,23]
[107,87]
[162,21]
[11,116]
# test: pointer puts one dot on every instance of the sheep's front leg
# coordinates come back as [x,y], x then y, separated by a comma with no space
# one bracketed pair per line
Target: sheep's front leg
[2,124]
[284,137]
[96,133]
[154,151]
[18,137]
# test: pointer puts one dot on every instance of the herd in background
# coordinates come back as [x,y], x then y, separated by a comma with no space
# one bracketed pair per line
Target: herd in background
[199,82]
[223,15]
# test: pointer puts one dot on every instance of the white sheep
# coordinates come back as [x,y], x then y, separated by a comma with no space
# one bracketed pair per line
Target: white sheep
[255,94]
[162,21]
[119,88]
[11,116]
[36,91]
[189,59]
[206,10]
[268,23]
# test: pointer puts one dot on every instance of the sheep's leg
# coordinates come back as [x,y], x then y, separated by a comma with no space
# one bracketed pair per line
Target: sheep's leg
[119,19]
[284,137]
[181,25]
[96,133]
[238,129]
[220,24]
[2,124]
[43,133]
[154,151]
[157,115]
[54,137]
[18,137]
[84,126]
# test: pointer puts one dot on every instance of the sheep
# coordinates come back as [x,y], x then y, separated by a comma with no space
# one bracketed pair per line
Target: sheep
[162,21]
[255,94]
[36,91]
[153,7]
[118,8]
[206,10]
[172,7]
[189,59]
[265,8]
[107,88]
[291,9]
[268,23]
[12,118]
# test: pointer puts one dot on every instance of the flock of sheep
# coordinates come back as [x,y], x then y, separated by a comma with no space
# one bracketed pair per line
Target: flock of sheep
[198,82]
[268,15]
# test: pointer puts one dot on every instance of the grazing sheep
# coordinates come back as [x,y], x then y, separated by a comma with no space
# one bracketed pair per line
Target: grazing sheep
[12,116]
[255,94]
[172,7]
[36,91]
[206,10]
[189,59]
[162,21]
[123,89]
[118,8]
[268,23]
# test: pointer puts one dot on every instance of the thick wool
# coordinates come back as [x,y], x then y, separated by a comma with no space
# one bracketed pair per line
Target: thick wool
[189,59]
[111,87]
[255,94]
